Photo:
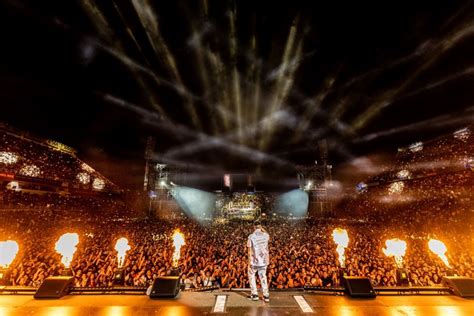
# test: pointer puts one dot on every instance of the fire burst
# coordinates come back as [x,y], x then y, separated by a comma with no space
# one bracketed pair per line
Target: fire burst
[341,238]
[178,242]
[397,249]
[122,247]
[8,251]
[439,248]
[66,247]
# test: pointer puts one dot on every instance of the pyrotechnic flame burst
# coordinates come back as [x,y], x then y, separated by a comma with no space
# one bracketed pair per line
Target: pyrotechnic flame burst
[66,247]
[341,238]
[8,251]
[178,242]
[397,249]
[122,247]
[439,248]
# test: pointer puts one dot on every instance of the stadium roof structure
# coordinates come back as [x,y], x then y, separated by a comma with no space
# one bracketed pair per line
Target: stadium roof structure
[237,86]
[30,159]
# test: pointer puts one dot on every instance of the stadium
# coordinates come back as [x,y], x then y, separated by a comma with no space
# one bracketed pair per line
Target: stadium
[229,157]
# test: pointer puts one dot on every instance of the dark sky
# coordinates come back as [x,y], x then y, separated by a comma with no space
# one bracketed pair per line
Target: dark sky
[238,86]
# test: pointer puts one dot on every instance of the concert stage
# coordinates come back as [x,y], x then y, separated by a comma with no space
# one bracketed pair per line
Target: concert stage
[201,303]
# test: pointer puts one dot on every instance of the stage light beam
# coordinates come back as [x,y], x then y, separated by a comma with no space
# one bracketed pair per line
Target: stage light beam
[295,202]
[194,202]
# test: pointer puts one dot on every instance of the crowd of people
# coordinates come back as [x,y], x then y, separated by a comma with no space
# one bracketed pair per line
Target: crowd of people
[431,204]
[302,253]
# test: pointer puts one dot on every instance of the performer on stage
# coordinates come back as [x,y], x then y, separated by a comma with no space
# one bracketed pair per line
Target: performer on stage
[258,261]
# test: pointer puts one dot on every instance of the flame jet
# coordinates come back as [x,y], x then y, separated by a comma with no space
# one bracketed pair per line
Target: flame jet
[395,248]
[341,238]
[8,251]
[178,242]
[66,246]
[122,247]
[440,249]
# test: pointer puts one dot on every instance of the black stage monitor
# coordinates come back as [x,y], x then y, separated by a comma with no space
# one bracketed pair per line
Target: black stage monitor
[359,287]
[165,287]
[460,286]
[54,287]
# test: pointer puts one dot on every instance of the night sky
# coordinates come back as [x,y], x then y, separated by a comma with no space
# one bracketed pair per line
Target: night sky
[235,86]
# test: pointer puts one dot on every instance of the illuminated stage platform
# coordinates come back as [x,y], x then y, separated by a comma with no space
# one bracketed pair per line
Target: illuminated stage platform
[202,303]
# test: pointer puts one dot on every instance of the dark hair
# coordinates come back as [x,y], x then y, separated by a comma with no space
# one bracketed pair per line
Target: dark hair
[257,223]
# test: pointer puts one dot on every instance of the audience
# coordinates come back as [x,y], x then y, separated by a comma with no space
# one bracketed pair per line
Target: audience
[434,201]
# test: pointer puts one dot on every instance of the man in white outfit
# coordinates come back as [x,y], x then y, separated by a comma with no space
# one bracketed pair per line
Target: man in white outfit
[259,259]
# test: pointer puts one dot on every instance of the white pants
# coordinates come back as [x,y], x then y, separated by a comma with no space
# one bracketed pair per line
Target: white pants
[262,274]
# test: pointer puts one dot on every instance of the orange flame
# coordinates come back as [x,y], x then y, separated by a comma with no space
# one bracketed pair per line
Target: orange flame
[66,247]
[341,238]
[397,249]
[178,241]
[8,251]
[439,248]
[122,247]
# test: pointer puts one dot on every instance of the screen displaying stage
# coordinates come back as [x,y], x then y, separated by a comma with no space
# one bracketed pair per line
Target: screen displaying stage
[241,205]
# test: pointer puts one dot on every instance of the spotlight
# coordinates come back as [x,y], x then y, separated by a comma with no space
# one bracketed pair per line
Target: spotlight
[415,147]
[361,187]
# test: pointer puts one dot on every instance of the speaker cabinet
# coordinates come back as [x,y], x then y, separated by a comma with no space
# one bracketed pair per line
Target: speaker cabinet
[54,287]
[460,286]
[359,287]
[165,287]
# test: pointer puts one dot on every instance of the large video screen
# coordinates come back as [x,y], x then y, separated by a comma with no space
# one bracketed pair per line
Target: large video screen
[240,205]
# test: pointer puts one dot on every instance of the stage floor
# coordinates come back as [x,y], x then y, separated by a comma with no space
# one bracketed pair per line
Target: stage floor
[282,303]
